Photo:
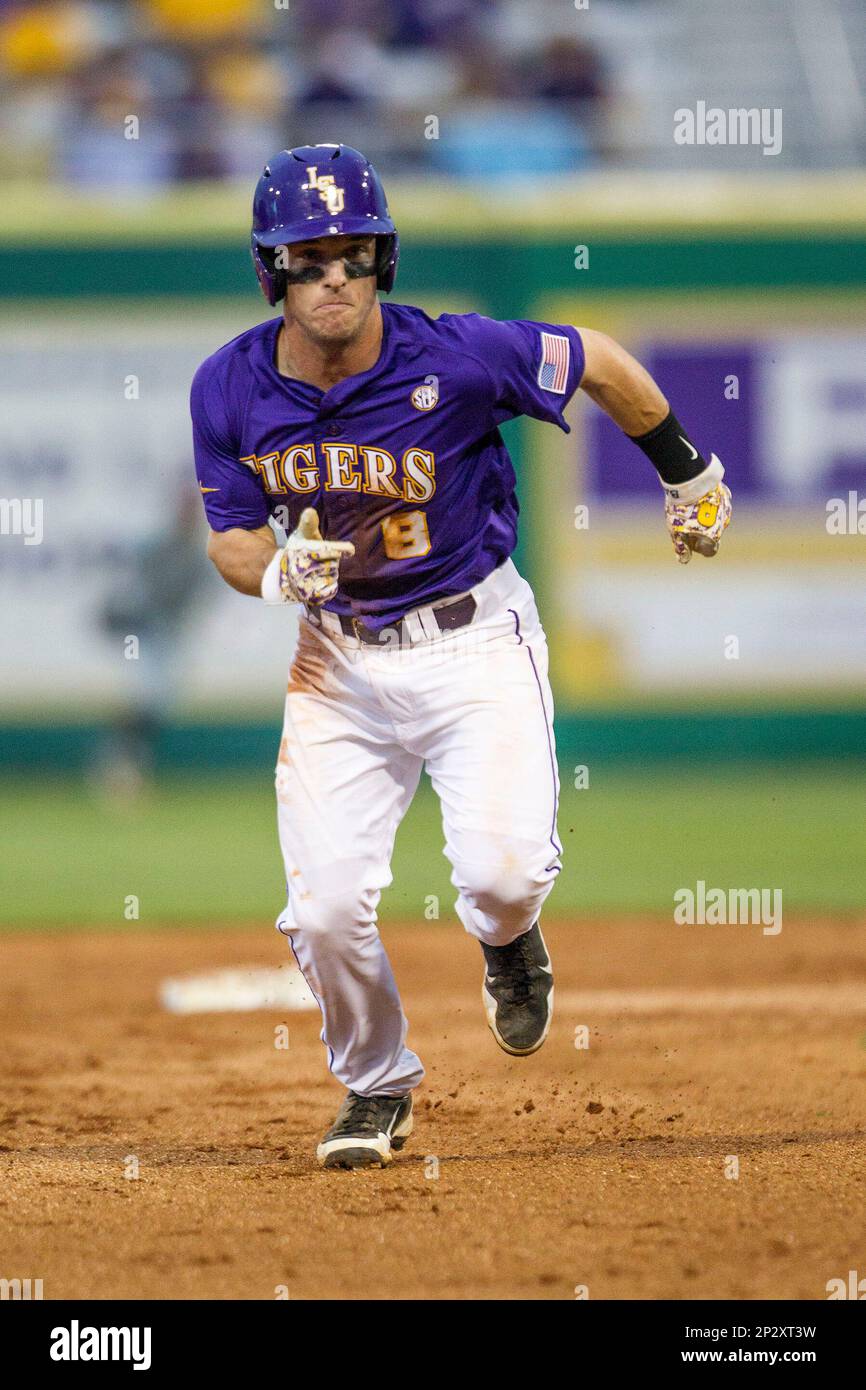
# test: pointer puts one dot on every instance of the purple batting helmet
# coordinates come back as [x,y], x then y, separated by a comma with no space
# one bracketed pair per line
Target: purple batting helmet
[314,191]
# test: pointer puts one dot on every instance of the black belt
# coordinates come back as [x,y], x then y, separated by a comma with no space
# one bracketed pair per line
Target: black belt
[448,616]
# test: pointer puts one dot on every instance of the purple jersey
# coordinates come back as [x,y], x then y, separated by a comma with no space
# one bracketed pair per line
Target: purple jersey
[405,460]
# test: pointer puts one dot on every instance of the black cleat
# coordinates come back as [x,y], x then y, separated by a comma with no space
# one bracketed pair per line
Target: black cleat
[366,1130]
[518,993]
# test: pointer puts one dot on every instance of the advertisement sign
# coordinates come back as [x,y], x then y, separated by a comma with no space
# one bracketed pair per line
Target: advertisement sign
[780,397]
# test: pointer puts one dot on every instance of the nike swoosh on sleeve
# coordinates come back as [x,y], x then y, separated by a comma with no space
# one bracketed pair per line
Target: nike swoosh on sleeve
[208,489]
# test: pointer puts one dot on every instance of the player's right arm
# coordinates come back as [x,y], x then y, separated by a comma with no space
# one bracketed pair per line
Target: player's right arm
[305,570]
[242,557]
[241,543]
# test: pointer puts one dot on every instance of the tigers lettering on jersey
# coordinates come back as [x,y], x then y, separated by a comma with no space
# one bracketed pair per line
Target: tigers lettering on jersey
[347,468]
[405,460]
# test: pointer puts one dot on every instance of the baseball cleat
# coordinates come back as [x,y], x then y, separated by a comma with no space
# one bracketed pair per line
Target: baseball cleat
[518,993]
[366,1131]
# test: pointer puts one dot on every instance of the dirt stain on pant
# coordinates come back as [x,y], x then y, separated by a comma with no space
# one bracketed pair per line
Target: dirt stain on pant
[309,669]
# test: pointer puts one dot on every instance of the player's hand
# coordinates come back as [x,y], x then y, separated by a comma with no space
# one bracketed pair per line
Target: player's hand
[310,566]
[696,523]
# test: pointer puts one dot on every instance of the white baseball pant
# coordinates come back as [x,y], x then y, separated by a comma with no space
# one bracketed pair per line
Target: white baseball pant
[472,706]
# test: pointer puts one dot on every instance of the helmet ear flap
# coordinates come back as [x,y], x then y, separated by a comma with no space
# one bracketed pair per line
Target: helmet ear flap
[272,280]
[279,279]
[387,255]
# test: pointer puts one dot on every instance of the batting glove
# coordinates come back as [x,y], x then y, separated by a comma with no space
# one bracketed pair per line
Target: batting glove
[307,569]
[697,512]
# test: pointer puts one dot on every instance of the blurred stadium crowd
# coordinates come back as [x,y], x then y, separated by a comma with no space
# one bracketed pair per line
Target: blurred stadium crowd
[516,86]
[214,83]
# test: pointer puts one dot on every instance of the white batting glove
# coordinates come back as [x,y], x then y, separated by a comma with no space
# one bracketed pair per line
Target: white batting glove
[307,569]
[697,512]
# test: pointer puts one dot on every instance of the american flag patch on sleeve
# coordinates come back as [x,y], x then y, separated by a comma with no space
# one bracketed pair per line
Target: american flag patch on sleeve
[555,356]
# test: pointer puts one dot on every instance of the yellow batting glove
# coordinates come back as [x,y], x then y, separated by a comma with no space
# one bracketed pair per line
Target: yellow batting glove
[697,512]
[307,569]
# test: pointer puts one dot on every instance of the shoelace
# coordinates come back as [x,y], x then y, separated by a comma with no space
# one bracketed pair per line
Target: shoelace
[361,1112]
[514,975]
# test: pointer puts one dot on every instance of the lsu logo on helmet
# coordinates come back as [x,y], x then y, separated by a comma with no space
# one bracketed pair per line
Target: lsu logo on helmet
[333,197]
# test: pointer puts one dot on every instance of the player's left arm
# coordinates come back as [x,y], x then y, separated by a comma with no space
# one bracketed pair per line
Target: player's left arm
[697,502]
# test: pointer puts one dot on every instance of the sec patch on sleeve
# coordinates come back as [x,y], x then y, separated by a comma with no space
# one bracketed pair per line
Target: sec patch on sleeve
[555,356]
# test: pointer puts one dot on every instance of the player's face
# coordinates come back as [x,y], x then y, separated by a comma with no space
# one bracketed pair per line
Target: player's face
[331,286]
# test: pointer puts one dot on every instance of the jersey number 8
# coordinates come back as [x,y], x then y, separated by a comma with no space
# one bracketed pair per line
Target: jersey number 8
[406,535]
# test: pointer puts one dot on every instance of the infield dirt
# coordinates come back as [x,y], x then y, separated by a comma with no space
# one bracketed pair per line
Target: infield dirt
[712,1051]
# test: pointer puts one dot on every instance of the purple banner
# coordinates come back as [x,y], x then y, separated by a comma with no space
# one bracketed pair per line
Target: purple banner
[694,378]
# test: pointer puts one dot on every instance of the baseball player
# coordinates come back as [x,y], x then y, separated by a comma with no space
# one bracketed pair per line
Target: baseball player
[372,432]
